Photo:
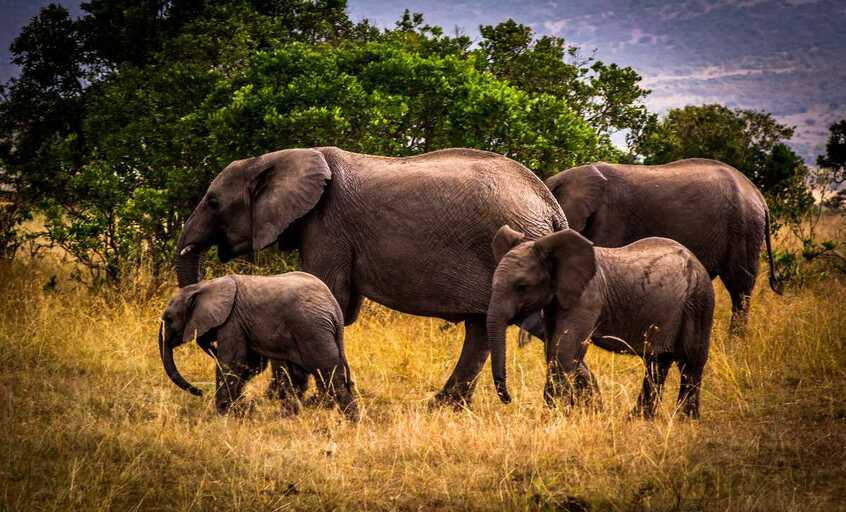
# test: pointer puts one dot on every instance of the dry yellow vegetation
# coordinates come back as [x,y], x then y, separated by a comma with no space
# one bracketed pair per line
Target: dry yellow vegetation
[90,422]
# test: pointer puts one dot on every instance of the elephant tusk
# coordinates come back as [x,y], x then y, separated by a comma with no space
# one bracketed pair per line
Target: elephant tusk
[186,250]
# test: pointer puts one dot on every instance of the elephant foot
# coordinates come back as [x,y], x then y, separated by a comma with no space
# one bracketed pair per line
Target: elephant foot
[319,401]
[641,413]
[570,393]
[737,329]
[290,407]
[450,399]
[350,409]
[239,408]
[274,390]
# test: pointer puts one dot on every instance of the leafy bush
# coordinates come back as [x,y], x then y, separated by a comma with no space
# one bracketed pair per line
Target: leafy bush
[120,119]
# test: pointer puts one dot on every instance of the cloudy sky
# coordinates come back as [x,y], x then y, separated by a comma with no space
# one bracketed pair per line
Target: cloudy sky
[787,57]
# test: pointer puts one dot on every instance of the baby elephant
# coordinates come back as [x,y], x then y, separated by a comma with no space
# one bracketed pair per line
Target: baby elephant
[291,319]
[651,298]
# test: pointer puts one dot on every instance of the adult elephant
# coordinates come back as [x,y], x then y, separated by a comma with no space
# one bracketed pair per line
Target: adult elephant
[413,234]
[707,206]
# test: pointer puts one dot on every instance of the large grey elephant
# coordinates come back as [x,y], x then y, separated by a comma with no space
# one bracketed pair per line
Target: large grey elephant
[651,298]
[706,205]
[412,234]
[290,319]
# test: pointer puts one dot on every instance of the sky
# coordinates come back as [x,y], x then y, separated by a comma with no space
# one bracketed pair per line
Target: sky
[787,57]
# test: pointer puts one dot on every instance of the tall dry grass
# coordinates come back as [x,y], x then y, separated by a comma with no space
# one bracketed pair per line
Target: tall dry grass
[90,422]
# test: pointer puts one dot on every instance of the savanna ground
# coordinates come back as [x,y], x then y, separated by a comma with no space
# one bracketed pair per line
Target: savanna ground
[90,421]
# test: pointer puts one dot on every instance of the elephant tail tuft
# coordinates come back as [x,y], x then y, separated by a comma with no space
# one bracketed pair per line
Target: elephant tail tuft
[775,283]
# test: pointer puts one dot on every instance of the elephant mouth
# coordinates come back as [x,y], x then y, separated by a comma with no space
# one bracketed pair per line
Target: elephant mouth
[227,252]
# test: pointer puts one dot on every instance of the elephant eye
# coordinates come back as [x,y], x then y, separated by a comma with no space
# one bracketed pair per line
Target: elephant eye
[213,203]
[521,287]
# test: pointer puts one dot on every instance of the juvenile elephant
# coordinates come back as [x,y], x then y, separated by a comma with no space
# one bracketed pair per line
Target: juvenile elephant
[651,298]
[290,319]
[411,233]
[705,205]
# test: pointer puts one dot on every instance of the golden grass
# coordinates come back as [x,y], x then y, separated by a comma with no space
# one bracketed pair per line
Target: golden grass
[90,421]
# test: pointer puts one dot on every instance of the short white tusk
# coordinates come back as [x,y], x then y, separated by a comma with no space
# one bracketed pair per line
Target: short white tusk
[186,250]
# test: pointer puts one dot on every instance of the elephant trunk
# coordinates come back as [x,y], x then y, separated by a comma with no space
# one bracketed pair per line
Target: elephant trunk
[496,325]
[166,352]
[188,266]
[194,241]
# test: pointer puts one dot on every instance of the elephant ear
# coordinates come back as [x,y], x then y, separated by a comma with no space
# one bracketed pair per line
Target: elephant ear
[208,306]
[287,185]
[504,240]
[572,262]
[580,192]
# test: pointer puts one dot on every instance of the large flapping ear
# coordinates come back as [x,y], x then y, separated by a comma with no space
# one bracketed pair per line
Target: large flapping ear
[209,305]
[580,192]
[504,240]
[287,185]
[571,261]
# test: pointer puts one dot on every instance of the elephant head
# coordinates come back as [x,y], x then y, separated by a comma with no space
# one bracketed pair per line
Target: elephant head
[580,192]
[192,313]
[249,205]
[530,275]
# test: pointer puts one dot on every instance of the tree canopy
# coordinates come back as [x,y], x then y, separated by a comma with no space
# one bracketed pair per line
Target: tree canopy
[119,119]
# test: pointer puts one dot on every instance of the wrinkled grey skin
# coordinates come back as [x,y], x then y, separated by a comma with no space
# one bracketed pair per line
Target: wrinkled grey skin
[411,233]
[290,319]
[705,205]
[651,298]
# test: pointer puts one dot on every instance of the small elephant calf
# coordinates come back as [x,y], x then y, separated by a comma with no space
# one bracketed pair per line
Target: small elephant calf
[291,319]
[651,298]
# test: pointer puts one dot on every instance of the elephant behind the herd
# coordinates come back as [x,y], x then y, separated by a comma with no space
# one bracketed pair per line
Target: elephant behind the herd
[707,206]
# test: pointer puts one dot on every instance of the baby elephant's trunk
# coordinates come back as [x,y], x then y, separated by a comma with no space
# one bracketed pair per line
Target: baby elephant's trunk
[496,336]
[166,352]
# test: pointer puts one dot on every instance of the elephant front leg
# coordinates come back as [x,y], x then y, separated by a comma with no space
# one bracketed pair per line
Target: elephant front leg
[569,380]
[231,376]
[458,390]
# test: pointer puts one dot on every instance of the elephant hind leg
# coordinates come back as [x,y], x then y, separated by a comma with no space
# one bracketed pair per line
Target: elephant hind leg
[691,381]
[335,383]
[657,367]
[739,276]
[692,348]
[289,384]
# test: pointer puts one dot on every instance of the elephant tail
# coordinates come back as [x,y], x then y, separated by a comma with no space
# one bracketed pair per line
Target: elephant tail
[775,284]
[339,341]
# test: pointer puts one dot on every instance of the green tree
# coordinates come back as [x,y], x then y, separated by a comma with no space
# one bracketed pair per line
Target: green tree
[607,96]
[835,152]
[120,119]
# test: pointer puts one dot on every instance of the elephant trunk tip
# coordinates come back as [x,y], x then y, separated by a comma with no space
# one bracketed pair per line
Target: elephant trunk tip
[777,286]
[502,391]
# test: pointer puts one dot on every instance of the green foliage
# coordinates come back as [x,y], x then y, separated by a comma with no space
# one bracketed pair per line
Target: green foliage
[120,119]
[835,152]
[608,97]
